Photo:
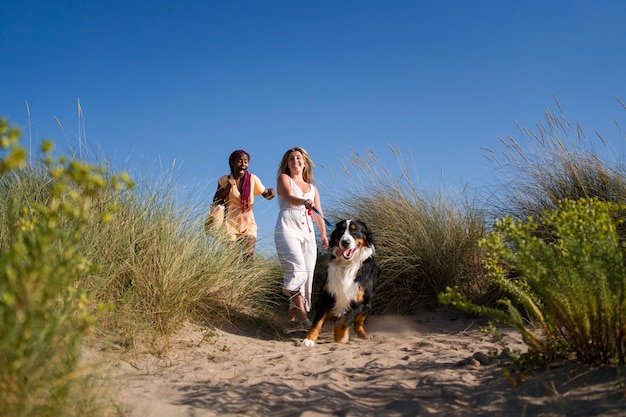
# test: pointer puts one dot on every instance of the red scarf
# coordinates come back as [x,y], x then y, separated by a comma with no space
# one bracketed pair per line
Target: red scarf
[245,192]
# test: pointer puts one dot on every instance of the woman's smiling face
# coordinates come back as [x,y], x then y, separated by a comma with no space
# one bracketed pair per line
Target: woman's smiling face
[296,161]
[240,164]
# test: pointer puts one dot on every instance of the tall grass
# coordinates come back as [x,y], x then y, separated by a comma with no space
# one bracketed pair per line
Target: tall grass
[160,269]
[43,312]
[78,257]
[425,241]
[554,162]
[557,246]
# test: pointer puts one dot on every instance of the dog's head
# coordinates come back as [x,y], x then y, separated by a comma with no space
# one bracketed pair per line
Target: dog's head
[349,239]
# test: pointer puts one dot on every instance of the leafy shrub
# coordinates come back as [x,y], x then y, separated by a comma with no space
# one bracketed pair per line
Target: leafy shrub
[43,313]
[568,292]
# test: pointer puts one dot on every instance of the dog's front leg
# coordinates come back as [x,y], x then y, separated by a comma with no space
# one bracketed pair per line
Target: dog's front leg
[341,331]
[359,321]
[314,331]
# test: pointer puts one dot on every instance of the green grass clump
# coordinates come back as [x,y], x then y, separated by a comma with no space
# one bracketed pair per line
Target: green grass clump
[83,262]
[424,241]
[567,297]
[43,312]
[557,161]
[159,269]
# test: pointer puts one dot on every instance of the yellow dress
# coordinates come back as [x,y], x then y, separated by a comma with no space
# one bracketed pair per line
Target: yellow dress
[237,223]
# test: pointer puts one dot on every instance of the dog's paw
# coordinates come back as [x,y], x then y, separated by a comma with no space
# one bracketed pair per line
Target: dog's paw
[308,343]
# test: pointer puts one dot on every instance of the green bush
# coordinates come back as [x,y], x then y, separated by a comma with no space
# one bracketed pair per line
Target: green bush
[43,312]
[567,292]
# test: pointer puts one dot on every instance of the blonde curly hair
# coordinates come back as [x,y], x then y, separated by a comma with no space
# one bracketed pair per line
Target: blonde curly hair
[307,172]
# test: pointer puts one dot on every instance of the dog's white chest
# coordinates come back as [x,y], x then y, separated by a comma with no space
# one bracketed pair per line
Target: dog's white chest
[342,286]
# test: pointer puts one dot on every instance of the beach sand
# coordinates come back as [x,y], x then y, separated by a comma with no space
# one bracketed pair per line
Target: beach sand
[424,365]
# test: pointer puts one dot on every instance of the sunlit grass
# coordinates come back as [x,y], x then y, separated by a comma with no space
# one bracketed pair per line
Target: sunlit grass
[569,298]
[160,269]
[43,311]
[557,250]
[425,240]
[125,270]
[556,161]
[84,261]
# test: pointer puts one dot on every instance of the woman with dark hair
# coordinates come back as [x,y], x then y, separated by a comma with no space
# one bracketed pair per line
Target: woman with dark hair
[235,193]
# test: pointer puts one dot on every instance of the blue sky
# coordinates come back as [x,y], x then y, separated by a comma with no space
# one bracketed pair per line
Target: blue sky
[184,83]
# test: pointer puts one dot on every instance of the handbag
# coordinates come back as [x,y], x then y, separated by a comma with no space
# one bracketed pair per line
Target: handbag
[215,218]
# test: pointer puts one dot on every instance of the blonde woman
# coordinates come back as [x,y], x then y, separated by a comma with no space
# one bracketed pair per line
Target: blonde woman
[294,234]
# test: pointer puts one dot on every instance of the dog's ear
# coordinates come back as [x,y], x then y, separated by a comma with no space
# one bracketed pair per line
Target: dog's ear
[369,235]
[336,233]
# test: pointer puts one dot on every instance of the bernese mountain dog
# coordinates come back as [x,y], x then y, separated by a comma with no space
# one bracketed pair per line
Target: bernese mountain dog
[350,283]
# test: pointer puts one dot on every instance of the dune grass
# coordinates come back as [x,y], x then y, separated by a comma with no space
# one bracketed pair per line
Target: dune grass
[568,297]
[557,248]
[554,162]
[425,240]
[159,269]
[43,311]
[123,270]
[83,259]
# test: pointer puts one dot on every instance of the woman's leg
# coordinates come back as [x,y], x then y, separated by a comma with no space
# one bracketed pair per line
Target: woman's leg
[297,312]
[250,242]
[310,258]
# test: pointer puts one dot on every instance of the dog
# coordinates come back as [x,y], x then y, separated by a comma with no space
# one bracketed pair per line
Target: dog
[350,283]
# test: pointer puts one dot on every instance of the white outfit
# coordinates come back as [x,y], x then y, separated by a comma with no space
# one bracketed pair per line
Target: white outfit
[296,247]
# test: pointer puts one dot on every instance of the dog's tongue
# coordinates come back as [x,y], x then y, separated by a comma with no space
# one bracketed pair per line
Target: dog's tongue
[342,252]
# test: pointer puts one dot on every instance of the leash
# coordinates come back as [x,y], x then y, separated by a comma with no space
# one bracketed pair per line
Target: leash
[328,224]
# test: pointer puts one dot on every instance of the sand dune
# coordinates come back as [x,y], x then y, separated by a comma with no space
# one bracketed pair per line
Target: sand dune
[424,365]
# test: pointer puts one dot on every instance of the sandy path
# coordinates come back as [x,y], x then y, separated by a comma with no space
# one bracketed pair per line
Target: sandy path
[415,366]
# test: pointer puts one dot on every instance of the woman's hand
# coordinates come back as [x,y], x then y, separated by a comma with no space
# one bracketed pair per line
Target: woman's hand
[268,194]
[324,240]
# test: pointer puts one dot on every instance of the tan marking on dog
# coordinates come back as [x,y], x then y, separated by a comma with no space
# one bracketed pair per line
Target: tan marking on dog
[341,331]
[360,295]
[314,332]
[359,321]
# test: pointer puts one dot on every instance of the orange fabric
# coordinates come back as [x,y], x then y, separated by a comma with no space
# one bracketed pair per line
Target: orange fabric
[237,222]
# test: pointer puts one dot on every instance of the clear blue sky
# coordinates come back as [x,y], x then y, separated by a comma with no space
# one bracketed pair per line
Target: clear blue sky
[190,81]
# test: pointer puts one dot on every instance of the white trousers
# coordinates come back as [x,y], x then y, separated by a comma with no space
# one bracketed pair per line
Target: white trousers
[296,247]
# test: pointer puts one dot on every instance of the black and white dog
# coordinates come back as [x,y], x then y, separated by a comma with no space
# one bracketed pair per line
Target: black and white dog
[350,284]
